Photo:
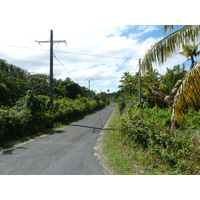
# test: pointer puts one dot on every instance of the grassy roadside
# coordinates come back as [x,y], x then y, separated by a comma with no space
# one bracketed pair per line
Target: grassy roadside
[118,150]
[128,158]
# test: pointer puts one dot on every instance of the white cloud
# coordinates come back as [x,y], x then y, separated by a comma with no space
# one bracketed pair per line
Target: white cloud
[97,40]
[32,20]
[141,30]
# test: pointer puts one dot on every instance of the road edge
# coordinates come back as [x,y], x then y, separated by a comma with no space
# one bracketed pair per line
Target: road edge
[98,151]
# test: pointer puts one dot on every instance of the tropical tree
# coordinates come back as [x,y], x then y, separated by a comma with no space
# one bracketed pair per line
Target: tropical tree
[67,88]
[187,96]
[190,51]
[39,83]
[150,87]
[161,51]
[129,83]
[169,45]
[13,83]
[171,80]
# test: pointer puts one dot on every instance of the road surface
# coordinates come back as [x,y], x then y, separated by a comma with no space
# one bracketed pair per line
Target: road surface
[68,151]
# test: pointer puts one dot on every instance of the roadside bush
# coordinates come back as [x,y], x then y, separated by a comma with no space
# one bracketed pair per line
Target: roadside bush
[33,113]
[67,110]
[63,109]
[192,120]
[37,104]
[14,123]
[150,129]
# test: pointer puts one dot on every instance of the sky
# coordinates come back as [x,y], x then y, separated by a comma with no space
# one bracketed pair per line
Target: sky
[97,48]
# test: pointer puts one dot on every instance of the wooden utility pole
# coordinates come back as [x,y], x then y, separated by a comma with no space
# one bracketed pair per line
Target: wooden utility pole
[139,82]
[51,61]
[51,68]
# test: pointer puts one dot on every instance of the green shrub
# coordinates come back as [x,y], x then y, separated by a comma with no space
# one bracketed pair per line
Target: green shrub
[37,104]
[192,120]
[33,113]
[14,123]
[150,128]
[67,110]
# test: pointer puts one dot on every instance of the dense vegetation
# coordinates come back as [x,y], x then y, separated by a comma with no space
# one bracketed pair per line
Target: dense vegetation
[160,135]
[142,139]
[25,106]
[139,142]
[15,82]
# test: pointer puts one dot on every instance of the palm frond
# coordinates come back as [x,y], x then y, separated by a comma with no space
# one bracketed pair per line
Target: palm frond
[167,28]
[188,95]
[169,45]
[197,53]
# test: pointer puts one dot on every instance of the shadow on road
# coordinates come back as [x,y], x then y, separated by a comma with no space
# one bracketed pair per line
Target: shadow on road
[56,132]
[10,151]
[92,127]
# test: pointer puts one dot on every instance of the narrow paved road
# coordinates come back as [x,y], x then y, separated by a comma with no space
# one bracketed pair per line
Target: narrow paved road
[65,152]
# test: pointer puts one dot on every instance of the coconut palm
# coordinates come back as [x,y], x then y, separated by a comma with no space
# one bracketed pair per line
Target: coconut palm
[187,95]
[190,51]
[150,84]
[170,82]
[169,45]
[129,82]
[189,91]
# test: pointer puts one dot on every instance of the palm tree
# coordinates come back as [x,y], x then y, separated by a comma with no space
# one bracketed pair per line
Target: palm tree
[128,82]
[170,82]
[190,51]
[150,84]
[169,45]
[187,95]
[161,51]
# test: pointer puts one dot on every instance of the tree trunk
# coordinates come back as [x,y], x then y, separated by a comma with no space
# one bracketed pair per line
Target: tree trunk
[192,60]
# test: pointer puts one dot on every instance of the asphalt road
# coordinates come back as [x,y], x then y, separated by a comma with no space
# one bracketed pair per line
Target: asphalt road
[65,152]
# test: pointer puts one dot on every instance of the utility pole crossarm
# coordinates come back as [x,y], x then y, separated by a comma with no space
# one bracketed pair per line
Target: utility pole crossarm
[55,41]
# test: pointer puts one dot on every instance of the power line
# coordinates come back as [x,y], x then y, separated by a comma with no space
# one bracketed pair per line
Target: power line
[22,47]
[65,68]
[87,54]
[67,52]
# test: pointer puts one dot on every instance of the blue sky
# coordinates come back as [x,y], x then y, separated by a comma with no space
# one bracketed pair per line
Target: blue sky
[100,51]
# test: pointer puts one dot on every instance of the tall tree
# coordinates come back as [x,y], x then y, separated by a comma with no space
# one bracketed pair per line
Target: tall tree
[13,83]
[190,51]
[39,83]
[129,83]
[150,88]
